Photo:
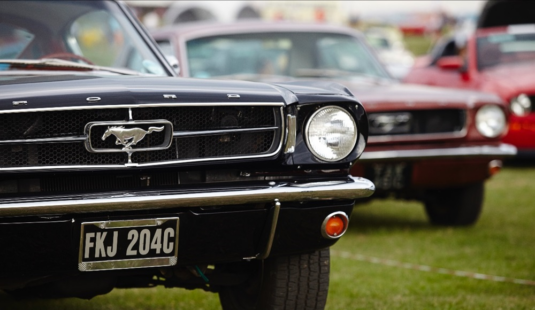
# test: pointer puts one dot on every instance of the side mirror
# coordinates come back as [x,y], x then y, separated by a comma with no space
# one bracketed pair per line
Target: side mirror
[173,61]
[450,63]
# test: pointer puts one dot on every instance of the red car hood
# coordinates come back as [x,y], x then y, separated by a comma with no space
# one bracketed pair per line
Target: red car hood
[511,80]
[406,96]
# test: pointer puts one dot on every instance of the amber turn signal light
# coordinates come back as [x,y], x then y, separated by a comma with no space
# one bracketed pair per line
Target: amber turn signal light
[334,225]
[494,167]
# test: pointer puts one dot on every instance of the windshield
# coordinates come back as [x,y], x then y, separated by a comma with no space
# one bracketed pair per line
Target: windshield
[294,54]
[88,32]
[505,48]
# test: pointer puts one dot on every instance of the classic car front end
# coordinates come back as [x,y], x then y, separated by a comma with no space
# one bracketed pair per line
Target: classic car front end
[499,57]
[112,176]
[439,154]
[435,145]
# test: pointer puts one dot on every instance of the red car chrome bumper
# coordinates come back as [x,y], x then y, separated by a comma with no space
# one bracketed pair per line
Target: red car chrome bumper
[502,150]
[430,168]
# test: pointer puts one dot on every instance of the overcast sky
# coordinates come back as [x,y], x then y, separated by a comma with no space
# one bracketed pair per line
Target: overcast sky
[376,7]
[381,7]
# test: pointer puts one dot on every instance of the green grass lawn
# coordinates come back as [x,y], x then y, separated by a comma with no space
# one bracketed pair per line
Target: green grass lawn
[418,45]
[502,243]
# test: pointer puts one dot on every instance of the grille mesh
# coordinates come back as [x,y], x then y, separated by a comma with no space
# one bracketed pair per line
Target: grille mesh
[54,124]
[72,123]
[420,122]
[210,118]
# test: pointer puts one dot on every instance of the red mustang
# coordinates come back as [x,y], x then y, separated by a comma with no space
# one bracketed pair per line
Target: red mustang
[434,145]
[500,58]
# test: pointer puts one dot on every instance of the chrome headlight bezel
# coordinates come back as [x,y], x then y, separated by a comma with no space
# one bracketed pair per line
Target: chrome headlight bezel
[490,121]
[312,144]
[520,105]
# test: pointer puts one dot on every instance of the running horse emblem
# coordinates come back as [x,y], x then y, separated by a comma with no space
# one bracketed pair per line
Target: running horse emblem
[128,137]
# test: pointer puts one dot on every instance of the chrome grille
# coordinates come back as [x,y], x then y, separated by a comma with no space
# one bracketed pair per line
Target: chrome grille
[444,123]
[56,138]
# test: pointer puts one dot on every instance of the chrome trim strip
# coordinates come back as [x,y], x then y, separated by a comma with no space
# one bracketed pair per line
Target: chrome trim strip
[69,139]
[351,189]
[128,264]
[176,134]
[51,168]
[291,131]
[418,137]
[503,150]
[147,105]
[180,134]
[131,223]
[273,228]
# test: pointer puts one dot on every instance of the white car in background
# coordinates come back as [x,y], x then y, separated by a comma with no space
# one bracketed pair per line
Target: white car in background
[388,43]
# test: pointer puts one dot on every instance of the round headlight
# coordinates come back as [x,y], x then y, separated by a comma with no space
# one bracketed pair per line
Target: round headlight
[331,133]
[521,105]
[490,121]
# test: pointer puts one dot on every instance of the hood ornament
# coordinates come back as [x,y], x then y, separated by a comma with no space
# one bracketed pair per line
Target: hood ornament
[128,136]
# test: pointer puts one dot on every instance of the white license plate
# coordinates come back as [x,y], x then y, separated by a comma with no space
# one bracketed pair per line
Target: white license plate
[109,245]
[389,176]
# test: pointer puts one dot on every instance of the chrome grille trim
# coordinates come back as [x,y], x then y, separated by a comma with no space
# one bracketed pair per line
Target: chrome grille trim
[179,134]
[176,134]
[136,165]
[220,132]
[69,139]
[419,137]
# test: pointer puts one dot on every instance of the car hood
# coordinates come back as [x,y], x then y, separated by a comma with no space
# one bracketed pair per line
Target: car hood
[511,79]
[56,91]
[395,96]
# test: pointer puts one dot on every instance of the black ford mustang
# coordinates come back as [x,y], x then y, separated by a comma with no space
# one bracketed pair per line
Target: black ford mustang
[115,173]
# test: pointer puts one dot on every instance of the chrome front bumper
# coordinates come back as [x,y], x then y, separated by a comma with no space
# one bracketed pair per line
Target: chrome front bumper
[503,150]
[351,189]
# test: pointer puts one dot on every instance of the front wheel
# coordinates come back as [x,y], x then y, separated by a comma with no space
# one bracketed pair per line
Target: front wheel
[455,206]
[286,282]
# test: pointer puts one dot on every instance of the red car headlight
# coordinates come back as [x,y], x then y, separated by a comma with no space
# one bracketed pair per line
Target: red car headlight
[521,105]
[490,121]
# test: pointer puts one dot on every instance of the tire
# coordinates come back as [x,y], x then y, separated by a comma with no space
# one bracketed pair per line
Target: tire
[455,206]
[286,283]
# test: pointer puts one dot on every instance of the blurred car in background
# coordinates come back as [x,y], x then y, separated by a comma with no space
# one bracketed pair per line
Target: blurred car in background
[435,145]
[388,43]
[499,57]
